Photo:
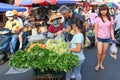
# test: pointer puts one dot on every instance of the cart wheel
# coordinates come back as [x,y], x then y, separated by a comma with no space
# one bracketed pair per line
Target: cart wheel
[4,59]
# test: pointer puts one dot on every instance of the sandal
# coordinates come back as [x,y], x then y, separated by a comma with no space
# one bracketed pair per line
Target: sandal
[97,68]
[101,67]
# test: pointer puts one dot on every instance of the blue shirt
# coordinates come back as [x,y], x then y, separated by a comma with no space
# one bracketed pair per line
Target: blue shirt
[78,38]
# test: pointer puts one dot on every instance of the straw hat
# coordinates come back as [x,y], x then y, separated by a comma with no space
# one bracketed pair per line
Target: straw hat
[55,16]
[15,12]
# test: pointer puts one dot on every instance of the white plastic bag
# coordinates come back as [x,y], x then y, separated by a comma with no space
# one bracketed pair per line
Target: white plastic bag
[113,51]
[14,70]
[87,42]
[60,37]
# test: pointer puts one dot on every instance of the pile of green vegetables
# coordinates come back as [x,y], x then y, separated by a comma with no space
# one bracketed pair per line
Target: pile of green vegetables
[44,60]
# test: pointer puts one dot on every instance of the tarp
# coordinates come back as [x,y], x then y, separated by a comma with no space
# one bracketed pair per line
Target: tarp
[5,7]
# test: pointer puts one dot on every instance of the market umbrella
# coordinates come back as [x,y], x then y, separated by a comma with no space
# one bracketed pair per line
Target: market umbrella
[42,2]
[93,3]
[17,2]
[67,1]
[111,4]
[5,7]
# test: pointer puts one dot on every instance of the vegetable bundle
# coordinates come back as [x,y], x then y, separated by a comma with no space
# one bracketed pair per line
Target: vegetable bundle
[44,60]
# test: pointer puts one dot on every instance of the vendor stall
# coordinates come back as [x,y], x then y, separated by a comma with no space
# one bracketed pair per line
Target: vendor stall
[45,59]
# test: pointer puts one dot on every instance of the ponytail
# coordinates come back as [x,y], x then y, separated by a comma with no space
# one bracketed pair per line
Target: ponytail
[80,25]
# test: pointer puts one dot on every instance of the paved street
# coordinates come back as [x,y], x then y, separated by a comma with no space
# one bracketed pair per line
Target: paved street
[111,72]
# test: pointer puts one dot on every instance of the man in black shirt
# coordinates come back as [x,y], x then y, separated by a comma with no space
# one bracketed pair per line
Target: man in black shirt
[68,14]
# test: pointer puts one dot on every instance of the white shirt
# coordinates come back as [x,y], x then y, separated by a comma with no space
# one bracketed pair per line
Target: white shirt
[78,38]
[20,21]
[117,22]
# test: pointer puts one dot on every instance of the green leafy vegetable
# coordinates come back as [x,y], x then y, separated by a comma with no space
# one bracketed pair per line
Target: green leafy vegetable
[44,60]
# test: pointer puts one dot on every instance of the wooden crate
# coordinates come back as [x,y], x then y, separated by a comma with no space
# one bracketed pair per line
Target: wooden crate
[37,75]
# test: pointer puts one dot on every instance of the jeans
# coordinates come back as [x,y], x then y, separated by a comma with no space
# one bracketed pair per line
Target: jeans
[68,36]
[4,43]
[104,40]
[76,70]
[24,42]
[13,43]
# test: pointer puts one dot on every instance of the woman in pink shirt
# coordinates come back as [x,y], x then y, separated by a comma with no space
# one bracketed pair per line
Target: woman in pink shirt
[103,33]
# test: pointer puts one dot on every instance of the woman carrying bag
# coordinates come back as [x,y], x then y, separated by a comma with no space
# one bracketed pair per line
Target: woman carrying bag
[104,31]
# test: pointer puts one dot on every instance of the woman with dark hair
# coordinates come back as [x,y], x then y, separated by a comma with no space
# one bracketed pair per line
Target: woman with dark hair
[104,32]
[77,43]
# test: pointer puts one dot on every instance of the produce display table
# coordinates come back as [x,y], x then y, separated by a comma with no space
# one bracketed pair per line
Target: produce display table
[50,60]
[37,75]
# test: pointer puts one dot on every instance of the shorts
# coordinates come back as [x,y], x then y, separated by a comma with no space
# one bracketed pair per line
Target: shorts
[104,40]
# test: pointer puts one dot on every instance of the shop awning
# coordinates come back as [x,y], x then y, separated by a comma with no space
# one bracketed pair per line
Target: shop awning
[5,7]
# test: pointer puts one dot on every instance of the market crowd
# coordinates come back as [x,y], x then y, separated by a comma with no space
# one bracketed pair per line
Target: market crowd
[98,27]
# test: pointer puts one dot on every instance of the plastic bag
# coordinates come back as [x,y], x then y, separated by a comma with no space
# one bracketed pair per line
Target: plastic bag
[60,37]
[17,70]
[50,35]
[113,51]
[87,42]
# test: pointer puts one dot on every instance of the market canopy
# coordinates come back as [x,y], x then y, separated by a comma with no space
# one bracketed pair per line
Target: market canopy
[30,2]
[5,7]
[94,3]
[67,1]
[44,2]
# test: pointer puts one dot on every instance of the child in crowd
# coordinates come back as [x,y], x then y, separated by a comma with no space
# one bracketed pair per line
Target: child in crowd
[77,48]
[19,20]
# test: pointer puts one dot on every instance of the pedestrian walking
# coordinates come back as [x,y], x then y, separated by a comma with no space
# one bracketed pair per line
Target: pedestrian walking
[104,31]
